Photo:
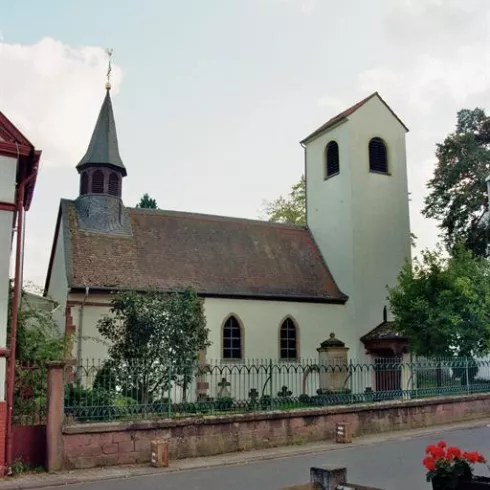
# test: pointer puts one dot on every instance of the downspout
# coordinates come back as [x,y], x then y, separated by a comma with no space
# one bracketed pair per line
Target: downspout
[80,334]
[14,316]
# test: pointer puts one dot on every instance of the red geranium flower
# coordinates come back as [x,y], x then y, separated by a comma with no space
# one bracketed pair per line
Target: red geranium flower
[442,444]
[429,463]
[453,452]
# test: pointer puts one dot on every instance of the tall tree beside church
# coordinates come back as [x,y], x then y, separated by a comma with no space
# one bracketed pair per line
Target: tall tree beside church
[154,340]
[441,304]
[290,209]
[458,196]
[147,202]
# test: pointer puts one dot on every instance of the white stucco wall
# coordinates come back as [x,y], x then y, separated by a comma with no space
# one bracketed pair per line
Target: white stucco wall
[360,219]
[261,321]
[58,284]
[8,169]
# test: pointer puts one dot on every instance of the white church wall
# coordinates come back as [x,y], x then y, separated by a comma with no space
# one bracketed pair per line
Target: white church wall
[380,212]
[261,321]
[8,169]
[360,219]
[58,284]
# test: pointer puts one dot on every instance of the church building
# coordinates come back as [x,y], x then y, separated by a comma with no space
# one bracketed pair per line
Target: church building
[270,291]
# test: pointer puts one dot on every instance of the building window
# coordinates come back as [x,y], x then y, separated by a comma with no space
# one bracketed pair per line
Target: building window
[84,184]
[114,184]
[332,158]
[98,182]
[289,340]
[378,156]
[232,339]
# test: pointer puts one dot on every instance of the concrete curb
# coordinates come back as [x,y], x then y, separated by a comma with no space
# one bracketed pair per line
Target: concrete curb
[43,480]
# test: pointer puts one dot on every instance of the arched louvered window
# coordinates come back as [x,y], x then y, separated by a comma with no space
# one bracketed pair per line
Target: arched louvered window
[288,340]
[332,159]
[232,339]
[378,156]
[114,184]
[98,182]
[84,184]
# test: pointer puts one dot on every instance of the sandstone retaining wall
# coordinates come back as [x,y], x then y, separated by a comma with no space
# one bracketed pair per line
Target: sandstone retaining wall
[104,444]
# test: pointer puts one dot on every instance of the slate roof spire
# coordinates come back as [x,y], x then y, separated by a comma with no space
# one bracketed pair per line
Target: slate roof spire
[103,149]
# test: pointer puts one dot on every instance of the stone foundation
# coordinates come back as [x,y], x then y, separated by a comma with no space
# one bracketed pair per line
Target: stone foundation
[105,444]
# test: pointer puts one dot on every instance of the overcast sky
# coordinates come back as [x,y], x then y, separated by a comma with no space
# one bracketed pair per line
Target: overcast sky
[212,97]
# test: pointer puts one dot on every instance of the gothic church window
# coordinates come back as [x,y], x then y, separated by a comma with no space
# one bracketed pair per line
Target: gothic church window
[332,159]
[232,339]
[84,184]
[114,184]
[288,340]
[98,182]
[378,156]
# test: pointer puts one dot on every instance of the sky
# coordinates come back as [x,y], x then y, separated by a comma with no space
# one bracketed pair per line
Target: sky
[211,98]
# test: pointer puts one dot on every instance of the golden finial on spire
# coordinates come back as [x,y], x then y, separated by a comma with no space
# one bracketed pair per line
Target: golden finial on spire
[109,52]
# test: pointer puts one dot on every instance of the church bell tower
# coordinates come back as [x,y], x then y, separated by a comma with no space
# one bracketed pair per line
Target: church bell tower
[99,204]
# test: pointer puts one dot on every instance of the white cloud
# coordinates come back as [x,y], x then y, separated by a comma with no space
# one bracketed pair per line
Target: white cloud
[47,84]
[306,6]
[332,103]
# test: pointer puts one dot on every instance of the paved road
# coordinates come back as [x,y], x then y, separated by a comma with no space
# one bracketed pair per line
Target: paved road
[394,465]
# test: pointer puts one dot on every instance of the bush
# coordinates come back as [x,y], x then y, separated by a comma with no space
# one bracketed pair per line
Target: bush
[90,403]
[304,398]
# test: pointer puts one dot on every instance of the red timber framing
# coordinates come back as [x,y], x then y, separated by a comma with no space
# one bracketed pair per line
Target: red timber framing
[15,145]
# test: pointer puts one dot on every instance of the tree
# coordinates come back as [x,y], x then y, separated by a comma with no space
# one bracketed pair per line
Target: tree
[458,197]
[38,337]
[147,202]
[154,340]
[442,304]
[290,209]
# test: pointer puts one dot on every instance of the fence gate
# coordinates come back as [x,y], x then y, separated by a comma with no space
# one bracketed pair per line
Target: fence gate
[388,374]
[29,416]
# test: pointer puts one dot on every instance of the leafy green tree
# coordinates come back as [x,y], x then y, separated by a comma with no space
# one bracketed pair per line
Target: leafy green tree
[458,196]
[290,209]
[147,202]
[442,304]
[154,341]
[38,337]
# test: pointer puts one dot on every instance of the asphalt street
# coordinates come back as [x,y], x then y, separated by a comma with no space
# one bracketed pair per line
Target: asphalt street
[393,465]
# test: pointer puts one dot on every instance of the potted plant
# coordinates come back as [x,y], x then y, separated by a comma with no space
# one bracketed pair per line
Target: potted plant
[450,468]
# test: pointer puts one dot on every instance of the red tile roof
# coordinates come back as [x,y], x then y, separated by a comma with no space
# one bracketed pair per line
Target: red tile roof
[345,114]
[218,256]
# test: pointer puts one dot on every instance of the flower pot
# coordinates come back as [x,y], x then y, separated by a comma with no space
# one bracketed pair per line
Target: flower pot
[476,483]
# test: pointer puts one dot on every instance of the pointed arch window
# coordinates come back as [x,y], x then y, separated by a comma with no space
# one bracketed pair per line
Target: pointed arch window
[232,339]
[288,340]
[98,182]
[114,184]
[332,159]
[84,184]
[378,156]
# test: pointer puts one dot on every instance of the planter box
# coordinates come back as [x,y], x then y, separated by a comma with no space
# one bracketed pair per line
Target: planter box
[478,483]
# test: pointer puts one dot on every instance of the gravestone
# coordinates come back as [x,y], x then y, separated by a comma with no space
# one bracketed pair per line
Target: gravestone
[334,367]
[224,389]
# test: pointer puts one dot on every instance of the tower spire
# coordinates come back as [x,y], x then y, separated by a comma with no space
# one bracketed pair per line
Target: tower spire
[103,149]
[109,52]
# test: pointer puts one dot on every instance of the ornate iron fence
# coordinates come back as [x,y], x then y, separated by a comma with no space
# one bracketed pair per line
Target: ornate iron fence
[101,391]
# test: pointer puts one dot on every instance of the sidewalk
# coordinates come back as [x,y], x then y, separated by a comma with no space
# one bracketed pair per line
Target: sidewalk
[46,480]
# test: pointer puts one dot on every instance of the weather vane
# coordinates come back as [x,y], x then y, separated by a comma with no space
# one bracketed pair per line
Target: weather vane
[109,52]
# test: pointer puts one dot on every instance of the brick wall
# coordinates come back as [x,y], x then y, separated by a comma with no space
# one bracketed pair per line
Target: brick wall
[106,444]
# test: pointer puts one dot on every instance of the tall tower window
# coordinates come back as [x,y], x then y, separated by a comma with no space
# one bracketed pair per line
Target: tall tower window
[288,339]
[98,182]
[84,184]
[332,159]
[232,339]
[114,184]
[378,156]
